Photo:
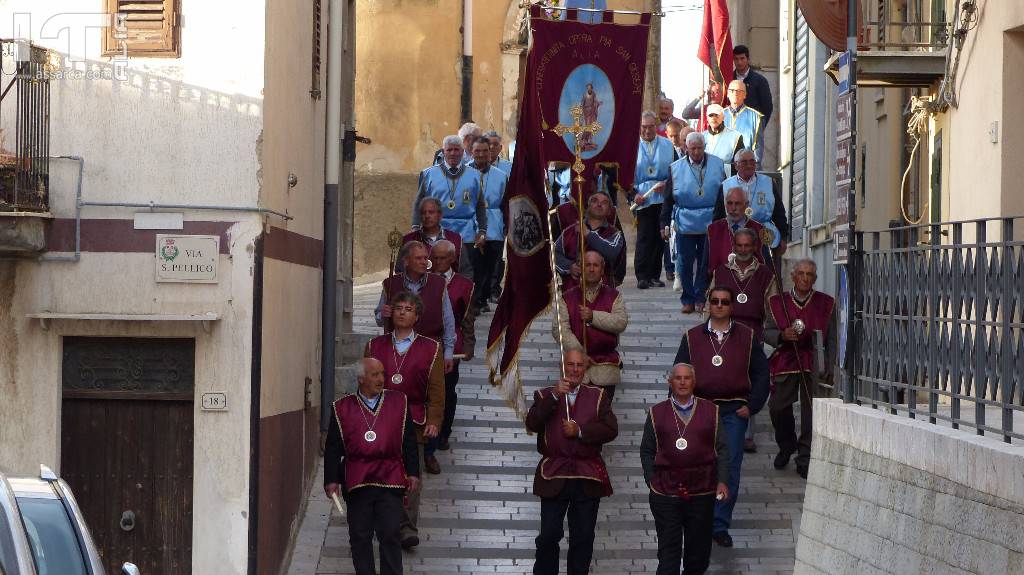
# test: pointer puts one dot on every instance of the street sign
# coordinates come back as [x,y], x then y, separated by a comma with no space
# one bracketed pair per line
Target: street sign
[187,259]
[844,115]
[841,246]
[844,161]
[843,301]
[844,73]
[842,207]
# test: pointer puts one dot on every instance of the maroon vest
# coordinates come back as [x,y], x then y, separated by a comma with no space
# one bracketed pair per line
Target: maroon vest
[375,463]
[567,458]
[601,345]
[816,315]
[720,242]
[692,471]
[449,235]
[431,322]
[571,247]
[731,380]
[750,314]
[416,366]
[460,292]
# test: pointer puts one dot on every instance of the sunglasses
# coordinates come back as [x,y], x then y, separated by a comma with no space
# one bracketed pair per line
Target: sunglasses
[720,301]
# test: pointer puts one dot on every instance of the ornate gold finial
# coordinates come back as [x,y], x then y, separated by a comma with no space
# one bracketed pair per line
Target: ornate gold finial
[394,239]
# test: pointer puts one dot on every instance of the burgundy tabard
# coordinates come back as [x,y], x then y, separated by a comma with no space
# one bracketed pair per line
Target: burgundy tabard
[377,463]
[816,315]
[601,345]
[431,322]
[416,367]
[756,286]
[731,380]
[571,458]
[460,293]
[571,247]
[449,235]
[692,471]
[720,242]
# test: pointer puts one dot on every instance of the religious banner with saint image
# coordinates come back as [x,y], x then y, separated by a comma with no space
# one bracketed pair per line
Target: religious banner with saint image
[582,102]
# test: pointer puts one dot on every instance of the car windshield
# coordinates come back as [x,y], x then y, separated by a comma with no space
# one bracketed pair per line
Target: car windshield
[52,537]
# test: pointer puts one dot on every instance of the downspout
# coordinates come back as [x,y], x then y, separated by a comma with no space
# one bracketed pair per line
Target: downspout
[332,179]
[467,60]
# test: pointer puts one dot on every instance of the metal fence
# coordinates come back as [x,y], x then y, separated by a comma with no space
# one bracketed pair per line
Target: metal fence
[938,313]
[25,107]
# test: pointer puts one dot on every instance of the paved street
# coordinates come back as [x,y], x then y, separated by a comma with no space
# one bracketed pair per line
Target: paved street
[479,515]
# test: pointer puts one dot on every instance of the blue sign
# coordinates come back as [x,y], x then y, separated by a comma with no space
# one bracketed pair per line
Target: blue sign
[585,17]
[843,298]
[844,72]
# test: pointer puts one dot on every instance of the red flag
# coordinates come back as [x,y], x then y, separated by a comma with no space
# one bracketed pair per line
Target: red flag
[584,89]
[715,48]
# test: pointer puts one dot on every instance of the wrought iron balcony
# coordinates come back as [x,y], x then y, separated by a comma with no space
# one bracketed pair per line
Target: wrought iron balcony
[24,128]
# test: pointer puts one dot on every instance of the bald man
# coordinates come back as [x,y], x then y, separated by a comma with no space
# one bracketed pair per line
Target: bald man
[744,119]
[371,459]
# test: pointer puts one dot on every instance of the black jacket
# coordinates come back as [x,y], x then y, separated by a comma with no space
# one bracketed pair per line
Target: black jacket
[759,94]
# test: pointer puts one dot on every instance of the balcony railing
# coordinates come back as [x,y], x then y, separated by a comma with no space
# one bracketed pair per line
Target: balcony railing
[904,25]
[25,114]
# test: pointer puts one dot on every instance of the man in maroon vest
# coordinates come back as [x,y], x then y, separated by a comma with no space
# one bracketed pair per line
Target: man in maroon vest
[601,236]
[686,466]
[460,292]
[370,459]
[602,313]
[413,365]
[437,321]
[719,243]
[751,281]
[798,318]
[430,231]
[732,371]
[572,421]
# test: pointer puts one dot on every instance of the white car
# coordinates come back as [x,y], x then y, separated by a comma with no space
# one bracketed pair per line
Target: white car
[42,531]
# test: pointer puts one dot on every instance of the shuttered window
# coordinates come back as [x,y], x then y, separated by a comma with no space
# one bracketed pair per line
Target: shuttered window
[143,29]
[798,179]
[314,89]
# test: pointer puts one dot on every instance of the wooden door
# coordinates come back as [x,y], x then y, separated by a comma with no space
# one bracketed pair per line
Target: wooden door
[126,447]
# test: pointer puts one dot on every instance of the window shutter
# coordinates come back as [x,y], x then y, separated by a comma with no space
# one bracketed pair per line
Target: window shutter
[314,90]
[143,28]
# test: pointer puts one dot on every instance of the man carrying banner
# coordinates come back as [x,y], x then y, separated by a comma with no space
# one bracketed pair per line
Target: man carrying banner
[370,459]
[686,466]
[732,371]
[572,421]
[602,237]
[652,171]
[413,365]
[601,311]
[720,232]
[430,231]
[799,327]
[752,282]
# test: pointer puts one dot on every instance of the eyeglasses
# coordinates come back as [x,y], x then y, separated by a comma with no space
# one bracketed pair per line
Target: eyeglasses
[406,308]
[720,301]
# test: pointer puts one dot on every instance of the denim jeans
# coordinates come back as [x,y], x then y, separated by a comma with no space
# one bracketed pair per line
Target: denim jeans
[690,267]
[734,427]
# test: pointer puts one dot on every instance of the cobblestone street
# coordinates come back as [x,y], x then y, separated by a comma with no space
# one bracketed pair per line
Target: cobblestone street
[479,515]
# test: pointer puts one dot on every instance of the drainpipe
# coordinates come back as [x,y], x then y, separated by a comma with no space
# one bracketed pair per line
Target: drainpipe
[467,60]
[332,178]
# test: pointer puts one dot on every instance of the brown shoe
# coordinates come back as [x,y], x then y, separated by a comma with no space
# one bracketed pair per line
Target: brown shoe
[687,308]
[431,464]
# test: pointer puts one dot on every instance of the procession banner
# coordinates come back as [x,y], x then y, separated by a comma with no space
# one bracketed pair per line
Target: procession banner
[581,104]
[715,48]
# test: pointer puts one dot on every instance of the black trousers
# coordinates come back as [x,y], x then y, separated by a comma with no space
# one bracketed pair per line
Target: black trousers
[647,257]
[483,279]
[375,510]
[451,400]
[676,519]
[780,406]
[499,273]
[582,512]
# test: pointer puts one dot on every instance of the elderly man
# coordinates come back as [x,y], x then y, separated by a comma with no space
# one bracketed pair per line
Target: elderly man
[496,160]
[438,320]
[371,460]
[486,256]
[666,107]
[798,318]
[460,293]
[676,132]
[720,232]
[759,93]
[732,371]
[430,231]
[752,282]
[694,110]
[413,365]
[652,170]
[694,182]
[457,186]
[572,421]
[744,119]
[720,140]
[601,314]
[764,198]
[685,458]
[467,133]
[601,236]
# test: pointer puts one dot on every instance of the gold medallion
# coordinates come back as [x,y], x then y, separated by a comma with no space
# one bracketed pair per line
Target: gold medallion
[396,379]
[717,361]
[370,436]
[749,211]
[451,205]
[741,298]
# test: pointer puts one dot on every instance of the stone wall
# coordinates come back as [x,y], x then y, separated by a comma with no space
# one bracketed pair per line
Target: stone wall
[887,494]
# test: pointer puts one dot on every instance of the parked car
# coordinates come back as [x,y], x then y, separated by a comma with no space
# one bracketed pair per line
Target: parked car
[42,531]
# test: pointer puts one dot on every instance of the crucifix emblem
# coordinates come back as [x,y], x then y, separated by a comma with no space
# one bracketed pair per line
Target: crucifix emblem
[580,133]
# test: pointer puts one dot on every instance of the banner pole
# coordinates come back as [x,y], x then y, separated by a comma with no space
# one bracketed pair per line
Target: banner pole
[554,283]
